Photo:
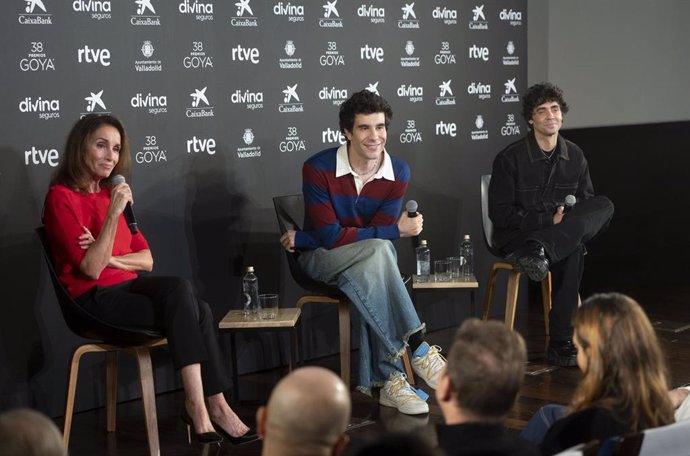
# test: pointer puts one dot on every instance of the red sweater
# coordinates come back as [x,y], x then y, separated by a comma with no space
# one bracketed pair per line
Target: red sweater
[66,212]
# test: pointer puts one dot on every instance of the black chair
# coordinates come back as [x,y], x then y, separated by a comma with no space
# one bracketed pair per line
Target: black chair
[513,276]
[290,209]
[111,340]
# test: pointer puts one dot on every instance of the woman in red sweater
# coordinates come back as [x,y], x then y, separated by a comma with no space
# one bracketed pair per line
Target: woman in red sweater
[97,259]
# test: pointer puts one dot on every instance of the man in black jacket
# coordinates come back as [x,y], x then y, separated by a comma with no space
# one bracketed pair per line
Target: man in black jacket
[531,182]
[484,373]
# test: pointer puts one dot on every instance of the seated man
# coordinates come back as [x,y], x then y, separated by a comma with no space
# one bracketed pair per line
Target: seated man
[486,368]
[306,415]
[26,432]
[531,182]
[353,198]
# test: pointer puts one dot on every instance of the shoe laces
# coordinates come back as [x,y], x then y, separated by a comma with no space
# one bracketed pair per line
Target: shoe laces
[433,360]
[401,390]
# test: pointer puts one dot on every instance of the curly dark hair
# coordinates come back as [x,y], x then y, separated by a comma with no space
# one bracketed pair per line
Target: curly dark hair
[363,102]
[539,94]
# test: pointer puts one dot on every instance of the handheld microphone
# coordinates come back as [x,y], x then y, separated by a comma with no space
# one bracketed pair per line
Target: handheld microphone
[570,201]
[411,208]
[129,213]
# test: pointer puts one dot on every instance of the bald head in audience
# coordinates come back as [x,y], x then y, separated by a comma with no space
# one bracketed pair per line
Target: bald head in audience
[26,432]
[307,414]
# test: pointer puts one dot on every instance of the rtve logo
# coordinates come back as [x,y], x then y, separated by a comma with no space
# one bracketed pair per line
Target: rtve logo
[477,52]
[91,55]
[197,145]
[41,157]
[242,54]
[446,129]
[329,136]
[371,53]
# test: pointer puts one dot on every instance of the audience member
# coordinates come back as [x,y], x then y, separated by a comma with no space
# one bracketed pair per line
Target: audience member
[624,388]
[306,415]
[485,370]
[26,432]
[393,444]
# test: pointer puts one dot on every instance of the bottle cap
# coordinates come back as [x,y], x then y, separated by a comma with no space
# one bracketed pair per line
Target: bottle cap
[250,268]
[466,237]
[422,242]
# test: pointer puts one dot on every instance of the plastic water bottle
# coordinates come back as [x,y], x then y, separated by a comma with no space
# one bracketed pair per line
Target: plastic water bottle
[250,287]
[423,255]
[467,253]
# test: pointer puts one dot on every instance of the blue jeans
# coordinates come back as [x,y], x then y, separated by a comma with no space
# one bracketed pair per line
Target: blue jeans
[367,272]
[536,427]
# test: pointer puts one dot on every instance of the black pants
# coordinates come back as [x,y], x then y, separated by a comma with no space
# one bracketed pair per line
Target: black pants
[170,305]
[564,247]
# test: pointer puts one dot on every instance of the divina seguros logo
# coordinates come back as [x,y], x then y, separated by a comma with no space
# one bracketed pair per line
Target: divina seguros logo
[201,11]
[481,90]
[514,18]
[99,9]
[414,94]
[334,95]
[43,108]
[155,104]
[244,16]
[294,13]
[251,100]
[374,14]
[445,14]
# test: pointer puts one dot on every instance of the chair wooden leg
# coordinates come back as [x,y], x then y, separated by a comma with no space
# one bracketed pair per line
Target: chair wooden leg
[511,297]
[111,390]
[408,368]
[489,292]
[344,327]
[71,390]
[546,300]
[148,397]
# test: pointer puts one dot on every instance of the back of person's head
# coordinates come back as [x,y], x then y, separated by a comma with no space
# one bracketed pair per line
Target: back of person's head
[622,362]
[307,413]
[393,444]
[363,102]
[486,368]
[72,169]
[26,432]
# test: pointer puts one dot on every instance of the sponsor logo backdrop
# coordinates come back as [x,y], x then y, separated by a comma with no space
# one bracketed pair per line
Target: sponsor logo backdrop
[223,101]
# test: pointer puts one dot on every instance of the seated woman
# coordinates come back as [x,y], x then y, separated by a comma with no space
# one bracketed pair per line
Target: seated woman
[624,385]
[97,259]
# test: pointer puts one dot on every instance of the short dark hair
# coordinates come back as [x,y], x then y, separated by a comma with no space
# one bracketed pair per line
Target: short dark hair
[539,94]
[363,102]
[71,170]
[486,367]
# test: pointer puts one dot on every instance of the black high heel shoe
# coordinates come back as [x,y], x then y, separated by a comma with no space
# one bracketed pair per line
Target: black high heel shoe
[205,437]
[248,436]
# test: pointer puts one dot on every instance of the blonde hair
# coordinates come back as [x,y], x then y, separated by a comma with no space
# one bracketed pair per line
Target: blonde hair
[626,370]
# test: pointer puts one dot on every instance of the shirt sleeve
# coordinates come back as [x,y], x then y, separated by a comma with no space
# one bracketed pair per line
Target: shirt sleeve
[63,227]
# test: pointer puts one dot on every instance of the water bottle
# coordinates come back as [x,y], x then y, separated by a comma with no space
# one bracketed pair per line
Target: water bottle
[250,287]
[467,253]
[423,255]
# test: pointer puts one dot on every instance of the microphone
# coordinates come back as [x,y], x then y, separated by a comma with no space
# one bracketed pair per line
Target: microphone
[570,201]
[129,213]
[411,208]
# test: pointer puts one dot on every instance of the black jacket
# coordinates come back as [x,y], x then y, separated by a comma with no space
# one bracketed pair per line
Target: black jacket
[527,187]
[473,439]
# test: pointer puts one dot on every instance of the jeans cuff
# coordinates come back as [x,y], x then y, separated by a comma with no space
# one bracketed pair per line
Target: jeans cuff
[397,355]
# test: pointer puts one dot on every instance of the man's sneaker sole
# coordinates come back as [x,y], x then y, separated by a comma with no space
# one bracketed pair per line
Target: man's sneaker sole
[415,408]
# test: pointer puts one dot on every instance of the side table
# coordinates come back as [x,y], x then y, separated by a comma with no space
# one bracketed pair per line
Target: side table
[464,285]
[234,321]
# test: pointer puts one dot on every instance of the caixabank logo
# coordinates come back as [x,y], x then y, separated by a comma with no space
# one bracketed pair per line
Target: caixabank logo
[478,19]
[36,59]
[291,102]
[251,100]
[248,149]
[148,63]
[201,11]
[409,17]
[510,94]
[200,106]
[153,104]
[291,61]
[150,152]
[445,96]
[198,58]
[145,14]
[376,15]
[98,9]
[292,142]
[34,12]
[95,104]
[244,15]
[292,12]
[41,156]
[332,57]
[445,14]
[331,16]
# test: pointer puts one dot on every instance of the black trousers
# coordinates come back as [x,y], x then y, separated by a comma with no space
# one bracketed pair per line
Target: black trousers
[564,245]
[170,305]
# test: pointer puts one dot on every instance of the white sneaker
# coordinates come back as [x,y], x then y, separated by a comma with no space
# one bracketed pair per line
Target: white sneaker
[430,365]
[396,392]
